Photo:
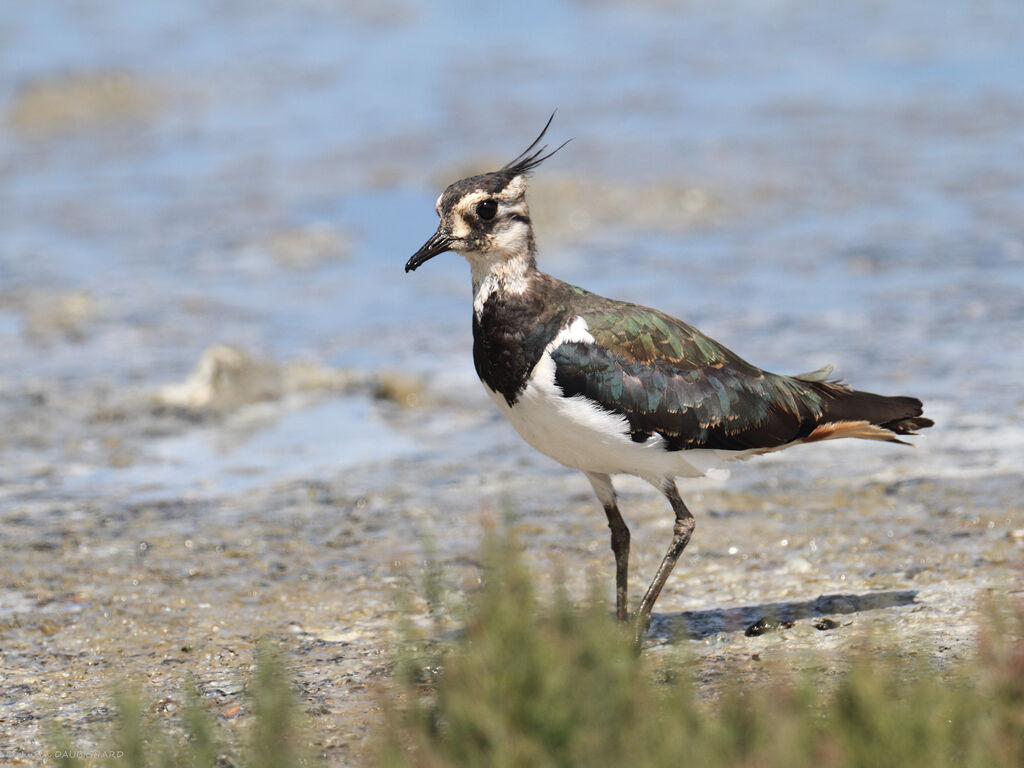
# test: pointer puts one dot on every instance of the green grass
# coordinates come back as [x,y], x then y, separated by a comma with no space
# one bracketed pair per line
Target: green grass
[274,739]
[540,685]
[535,683]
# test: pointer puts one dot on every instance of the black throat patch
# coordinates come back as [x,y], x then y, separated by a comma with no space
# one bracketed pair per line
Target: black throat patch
[512,331]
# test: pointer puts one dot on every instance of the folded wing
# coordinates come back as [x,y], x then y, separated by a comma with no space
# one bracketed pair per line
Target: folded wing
[668,379]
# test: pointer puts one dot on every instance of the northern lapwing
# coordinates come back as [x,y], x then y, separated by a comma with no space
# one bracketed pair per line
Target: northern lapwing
[609,387]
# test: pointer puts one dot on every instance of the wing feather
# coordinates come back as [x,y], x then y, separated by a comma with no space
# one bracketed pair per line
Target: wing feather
[667,378]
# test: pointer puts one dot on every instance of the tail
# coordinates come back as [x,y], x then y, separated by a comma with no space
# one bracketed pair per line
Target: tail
[846,412]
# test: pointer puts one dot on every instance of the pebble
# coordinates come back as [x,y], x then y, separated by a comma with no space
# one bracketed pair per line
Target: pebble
[764,625]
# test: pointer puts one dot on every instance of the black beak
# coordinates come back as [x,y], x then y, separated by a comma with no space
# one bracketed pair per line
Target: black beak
[438,243]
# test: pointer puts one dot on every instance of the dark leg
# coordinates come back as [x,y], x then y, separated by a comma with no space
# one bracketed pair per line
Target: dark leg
[620,548]
[602,485]
[681,532]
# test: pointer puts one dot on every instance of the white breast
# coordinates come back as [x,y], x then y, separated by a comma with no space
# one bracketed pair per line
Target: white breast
[578,433]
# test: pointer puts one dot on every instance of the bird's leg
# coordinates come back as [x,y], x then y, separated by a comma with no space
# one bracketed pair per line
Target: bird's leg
[620,548]
[681,532]
[602,485]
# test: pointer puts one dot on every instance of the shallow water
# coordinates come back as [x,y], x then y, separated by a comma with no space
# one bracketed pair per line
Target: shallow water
[806,184]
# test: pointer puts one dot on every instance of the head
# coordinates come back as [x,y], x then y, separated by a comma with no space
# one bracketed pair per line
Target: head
[485,217]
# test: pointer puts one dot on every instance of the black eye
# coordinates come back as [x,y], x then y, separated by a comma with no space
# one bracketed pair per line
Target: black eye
[486,209]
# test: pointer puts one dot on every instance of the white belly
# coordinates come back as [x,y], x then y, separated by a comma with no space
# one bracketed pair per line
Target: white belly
[580,434]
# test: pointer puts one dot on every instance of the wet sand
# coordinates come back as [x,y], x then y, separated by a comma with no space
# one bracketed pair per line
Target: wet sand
[100,590]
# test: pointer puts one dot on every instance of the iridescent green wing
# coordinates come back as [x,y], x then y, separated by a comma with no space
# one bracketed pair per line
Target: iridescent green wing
[668,378]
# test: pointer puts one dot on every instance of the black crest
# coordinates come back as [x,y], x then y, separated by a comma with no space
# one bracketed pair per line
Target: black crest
[532,156]
[495,181]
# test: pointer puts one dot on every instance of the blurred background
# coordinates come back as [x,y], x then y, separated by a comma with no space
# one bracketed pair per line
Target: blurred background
[807,182]
[226,411]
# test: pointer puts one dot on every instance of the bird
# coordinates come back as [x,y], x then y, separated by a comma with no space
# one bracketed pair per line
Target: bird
[610,387]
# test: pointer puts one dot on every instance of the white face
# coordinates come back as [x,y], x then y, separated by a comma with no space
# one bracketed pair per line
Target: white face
[492,225]
[485,226]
